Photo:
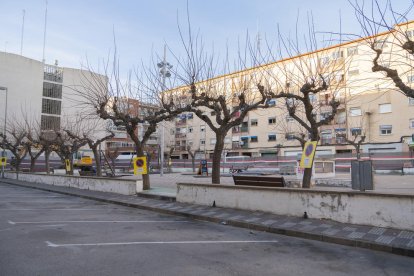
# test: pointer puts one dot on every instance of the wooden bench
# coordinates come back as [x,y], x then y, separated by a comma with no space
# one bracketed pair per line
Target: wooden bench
[238,169]
[263,181]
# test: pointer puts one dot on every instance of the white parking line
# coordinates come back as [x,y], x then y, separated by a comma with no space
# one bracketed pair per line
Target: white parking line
[52,209]
[51,244]
[39,196]
[97,221]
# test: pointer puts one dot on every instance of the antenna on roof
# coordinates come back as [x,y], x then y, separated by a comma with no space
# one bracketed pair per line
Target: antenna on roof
[44,34]
[21,42]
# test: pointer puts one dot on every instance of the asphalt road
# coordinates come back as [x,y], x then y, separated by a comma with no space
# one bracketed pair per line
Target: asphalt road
[43,233]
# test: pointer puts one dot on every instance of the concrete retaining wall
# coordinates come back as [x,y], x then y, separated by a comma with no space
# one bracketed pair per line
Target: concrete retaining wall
[118,186]
[366,208]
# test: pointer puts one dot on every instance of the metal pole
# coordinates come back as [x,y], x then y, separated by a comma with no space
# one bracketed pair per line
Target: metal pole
[163,71]
[4,132]
[21,42]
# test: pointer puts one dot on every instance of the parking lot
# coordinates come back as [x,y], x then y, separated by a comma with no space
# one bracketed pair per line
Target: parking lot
[43,233]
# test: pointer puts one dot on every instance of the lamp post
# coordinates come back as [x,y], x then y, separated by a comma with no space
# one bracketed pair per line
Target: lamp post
[165,73]
[4,131]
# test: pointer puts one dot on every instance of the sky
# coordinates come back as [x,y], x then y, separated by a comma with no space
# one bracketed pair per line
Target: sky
[80,30]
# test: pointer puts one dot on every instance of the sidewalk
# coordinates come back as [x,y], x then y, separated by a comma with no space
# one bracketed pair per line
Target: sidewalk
[375,238]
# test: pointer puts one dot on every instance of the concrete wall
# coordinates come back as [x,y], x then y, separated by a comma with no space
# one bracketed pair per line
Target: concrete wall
[383,210]
[118,186]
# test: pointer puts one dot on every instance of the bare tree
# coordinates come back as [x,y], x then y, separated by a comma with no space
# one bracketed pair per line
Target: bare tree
[387,34]
[33,146]
[14,141]
[310,82]
[137,105]
[192,153]
[48,142]
[88,133]
[67,146]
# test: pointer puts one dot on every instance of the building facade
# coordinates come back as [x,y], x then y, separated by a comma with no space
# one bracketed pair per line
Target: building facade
[370,105]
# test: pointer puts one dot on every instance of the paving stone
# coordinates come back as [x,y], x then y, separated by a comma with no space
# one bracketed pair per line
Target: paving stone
[347,228]
[377,231]
[252,219]
[331,232]
[325,225]
[305,222]
[209,213]
[288,224]
[406,235]
[269,222]
[411,244]
[356,235]
[238,217]
[308,228]
[385,239]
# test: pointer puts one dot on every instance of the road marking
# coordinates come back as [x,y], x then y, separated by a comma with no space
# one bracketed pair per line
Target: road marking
[51,244]
[39,196]
[51,209]
[96,221]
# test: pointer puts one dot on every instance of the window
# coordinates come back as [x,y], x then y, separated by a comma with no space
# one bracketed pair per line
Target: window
[324,115]
[290,136]
[324,60]
[51,106]
[289,119]
[271,137]
[337,55]
[190,129]
[253,139]
[355,111]
[49,122]
[190,116]
[53,73]
[385,129]
[353,72]
[272,120]
[411,101]
[411,123]
[271,102]
[384,108]
[341,117]
[213,141]
[202,142]
[312,97]
[380,44]
[352,51]
[410,78]
[172,131]
[52,90]
[253,122]
[202,128]
[356,131]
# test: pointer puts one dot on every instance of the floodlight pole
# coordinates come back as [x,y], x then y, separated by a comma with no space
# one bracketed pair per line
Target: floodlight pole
[4,132]
[164,75]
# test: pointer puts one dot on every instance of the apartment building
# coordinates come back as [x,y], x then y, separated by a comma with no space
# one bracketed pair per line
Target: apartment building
[370,105]
[42,94]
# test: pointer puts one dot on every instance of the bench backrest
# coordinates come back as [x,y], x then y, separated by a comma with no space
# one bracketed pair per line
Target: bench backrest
[273,181]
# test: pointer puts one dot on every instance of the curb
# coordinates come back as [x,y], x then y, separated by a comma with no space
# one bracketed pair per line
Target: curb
[241,224]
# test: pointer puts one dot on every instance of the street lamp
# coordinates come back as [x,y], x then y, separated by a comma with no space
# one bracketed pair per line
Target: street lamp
[165,73]
[4,131]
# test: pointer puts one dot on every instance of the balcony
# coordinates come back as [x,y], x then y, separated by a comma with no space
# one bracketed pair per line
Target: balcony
[180,135]
[244,129]
[181,122]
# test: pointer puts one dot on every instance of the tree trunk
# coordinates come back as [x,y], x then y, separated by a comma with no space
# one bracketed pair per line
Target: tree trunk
[307,177]
[32,164]
[193,163]
[358,152]
[145,177]
[218,149]
[47,155]
[97,160]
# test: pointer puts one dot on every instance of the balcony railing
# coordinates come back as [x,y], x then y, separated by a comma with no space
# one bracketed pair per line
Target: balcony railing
[180,135]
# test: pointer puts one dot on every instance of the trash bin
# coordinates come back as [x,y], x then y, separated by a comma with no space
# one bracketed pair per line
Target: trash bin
[362,175]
